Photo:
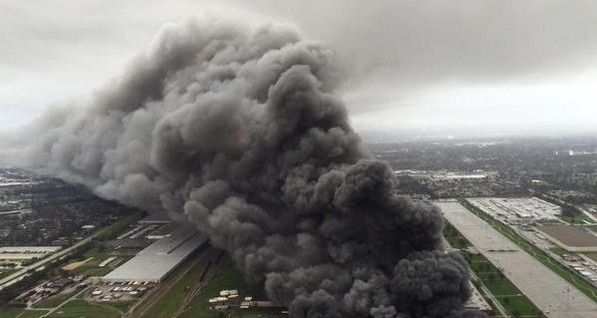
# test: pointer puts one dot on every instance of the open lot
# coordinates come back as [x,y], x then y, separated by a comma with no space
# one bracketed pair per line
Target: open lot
[80,308]
[570,237]
[546,289]
[20,313]
[518,208]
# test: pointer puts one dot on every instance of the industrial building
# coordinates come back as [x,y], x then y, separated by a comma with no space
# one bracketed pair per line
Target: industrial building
[156,218]
[156,261]
[517,208]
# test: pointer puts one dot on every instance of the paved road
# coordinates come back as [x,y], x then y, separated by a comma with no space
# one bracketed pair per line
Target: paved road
[543,287]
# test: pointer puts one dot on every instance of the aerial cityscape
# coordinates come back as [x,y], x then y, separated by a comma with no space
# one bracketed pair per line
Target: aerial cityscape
[301,159]
[528,233]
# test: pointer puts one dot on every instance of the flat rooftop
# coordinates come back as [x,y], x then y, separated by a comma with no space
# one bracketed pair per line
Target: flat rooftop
[29,249]
[158,259]
[156,218]
[569,235]
[517,208]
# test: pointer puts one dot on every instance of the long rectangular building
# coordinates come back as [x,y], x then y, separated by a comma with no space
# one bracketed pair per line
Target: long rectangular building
[159,259]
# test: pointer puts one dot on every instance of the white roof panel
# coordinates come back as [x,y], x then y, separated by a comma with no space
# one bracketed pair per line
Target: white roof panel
[158,259]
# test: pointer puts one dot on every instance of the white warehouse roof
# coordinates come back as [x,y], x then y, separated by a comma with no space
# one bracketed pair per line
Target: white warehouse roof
[158,259]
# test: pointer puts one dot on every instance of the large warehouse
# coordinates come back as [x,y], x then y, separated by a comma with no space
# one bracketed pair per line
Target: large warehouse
[157,260]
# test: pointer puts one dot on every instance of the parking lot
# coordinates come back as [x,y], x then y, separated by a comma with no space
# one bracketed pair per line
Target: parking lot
[548,291]
[124,291]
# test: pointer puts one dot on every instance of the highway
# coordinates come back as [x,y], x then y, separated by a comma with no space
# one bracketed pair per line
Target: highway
[15,277]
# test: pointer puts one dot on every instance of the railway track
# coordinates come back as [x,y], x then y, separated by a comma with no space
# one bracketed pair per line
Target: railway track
[212,267]
[158,295]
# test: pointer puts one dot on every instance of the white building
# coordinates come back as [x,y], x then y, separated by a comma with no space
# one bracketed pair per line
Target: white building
[159,259]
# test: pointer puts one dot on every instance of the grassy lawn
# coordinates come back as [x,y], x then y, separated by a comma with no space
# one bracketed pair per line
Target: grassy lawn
[122,305]
[6,272]
[519,305]
[32,313]
[79,308]
[97,271]
[98,254]
[500,287]
[21,313]
[550,222]
[257,312]
[577,219]
[119,227]
[56,300]
[170,303]
[454,237]
[228,278]
[558,250]
[540,255]
[10,312]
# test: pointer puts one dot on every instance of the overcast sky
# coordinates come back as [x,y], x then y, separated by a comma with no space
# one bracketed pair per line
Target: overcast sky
[467,66]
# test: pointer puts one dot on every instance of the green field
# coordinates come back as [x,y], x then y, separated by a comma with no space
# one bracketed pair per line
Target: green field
[454,237]
[558,250]
[10,312]
[21,313]
[122,305]
[228,278]
[99,250]
[98,253]
[577,219]
[119,227]
[170,303]
[540,255]
[6,272]
[56,300]
[79,308]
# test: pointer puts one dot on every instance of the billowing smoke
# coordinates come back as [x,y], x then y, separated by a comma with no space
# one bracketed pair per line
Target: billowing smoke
[237,130]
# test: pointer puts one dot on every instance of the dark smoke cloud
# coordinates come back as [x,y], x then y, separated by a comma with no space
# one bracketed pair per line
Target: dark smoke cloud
[237,130]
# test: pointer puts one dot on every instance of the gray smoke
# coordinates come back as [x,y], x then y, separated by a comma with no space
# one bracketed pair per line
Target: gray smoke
[236,130]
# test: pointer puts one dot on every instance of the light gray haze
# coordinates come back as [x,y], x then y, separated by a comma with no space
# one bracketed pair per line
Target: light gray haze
[425,66]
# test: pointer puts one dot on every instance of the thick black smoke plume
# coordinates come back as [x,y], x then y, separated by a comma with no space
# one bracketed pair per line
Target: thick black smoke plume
[236,130]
